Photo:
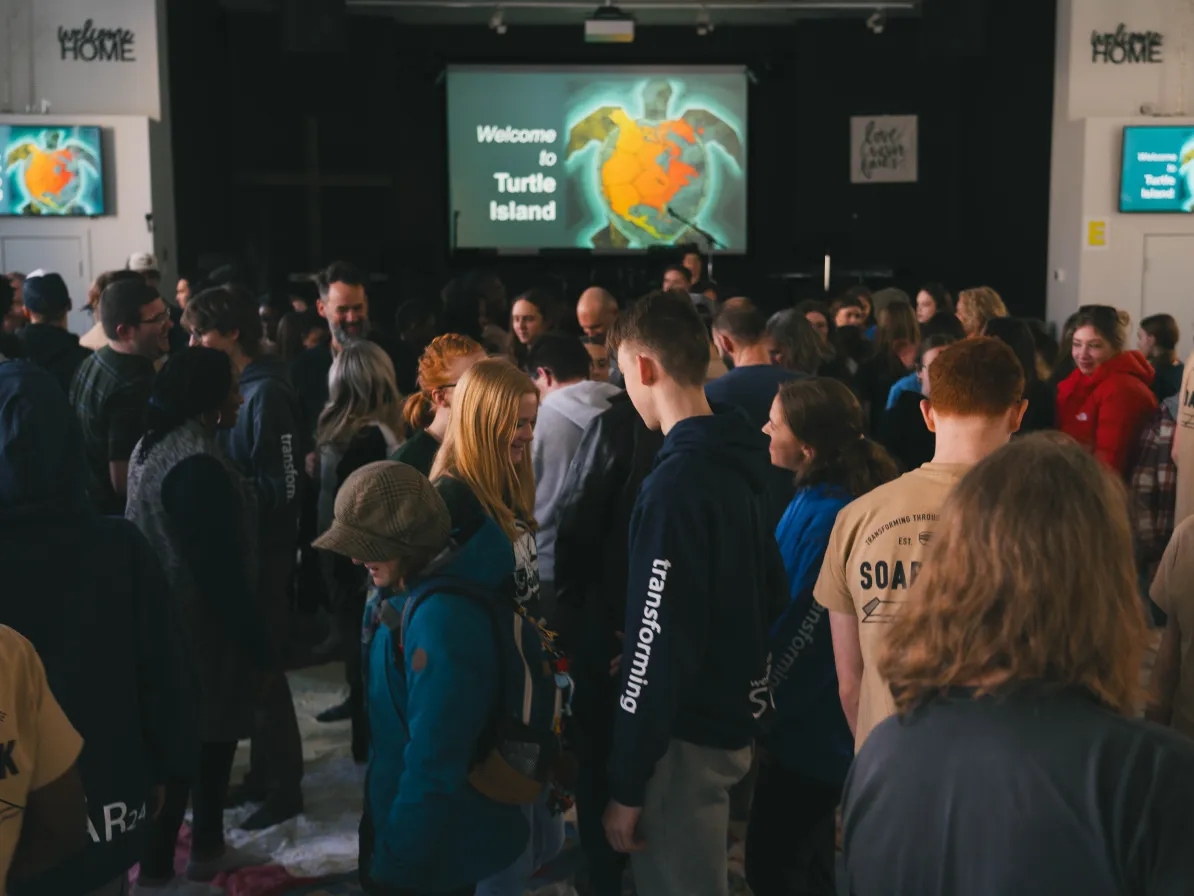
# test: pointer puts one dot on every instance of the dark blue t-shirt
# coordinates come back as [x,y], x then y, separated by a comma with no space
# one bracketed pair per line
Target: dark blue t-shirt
[750,388]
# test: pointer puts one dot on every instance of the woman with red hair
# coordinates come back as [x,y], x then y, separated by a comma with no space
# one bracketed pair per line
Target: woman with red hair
[428,411]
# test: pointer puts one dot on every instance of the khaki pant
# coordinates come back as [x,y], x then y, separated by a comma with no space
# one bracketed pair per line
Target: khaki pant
[686,816]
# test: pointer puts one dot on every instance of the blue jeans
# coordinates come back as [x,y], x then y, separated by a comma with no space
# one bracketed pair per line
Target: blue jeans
[546,841]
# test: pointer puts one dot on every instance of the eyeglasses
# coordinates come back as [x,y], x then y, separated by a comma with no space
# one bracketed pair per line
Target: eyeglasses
[157,318]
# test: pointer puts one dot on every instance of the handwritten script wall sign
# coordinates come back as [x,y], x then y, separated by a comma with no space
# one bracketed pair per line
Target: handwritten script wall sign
[1121,45]
[91,44]
[883,149]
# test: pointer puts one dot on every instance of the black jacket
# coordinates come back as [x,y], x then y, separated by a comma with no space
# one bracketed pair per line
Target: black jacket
[91,596]
[705,574]
[54,349]
[268,446]
[615,455]
[904,434]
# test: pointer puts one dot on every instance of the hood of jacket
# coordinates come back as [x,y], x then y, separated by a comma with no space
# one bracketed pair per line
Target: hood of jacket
[43,473]
[267,367]
[581,402]
[48,343]
[723,440]
[487,557]
[1131,364]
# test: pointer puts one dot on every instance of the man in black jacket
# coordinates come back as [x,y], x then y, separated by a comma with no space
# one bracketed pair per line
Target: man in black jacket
[704,570]
[112,645]
[598,494]
[267,446]
[48,343]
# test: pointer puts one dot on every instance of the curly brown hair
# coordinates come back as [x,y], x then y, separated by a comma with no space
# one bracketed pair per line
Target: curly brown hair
[978,305]
[1031,578]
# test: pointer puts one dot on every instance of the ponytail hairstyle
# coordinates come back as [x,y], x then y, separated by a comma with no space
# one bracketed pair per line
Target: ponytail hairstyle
[192,382]
[434,374]
[824,415]
[476,448]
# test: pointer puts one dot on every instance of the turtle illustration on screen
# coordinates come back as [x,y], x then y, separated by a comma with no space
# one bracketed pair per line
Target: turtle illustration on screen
[652,164]
[50,172]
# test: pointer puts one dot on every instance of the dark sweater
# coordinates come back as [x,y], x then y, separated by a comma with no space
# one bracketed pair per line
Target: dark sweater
[705,573]
[56,350]
[88,592]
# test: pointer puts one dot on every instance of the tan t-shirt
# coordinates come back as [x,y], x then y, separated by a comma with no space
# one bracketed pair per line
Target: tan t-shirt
[37,743]
[874,553]
[1171,592]
[1184,455]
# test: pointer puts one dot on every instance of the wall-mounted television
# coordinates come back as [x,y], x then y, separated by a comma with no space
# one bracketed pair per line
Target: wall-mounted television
[605,158]
[51,170]
[1158,169]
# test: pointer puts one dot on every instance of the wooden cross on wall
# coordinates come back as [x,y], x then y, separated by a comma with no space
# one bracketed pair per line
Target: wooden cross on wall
[312,179]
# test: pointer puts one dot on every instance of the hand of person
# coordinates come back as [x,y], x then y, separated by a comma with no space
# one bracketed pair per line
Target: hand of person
[621,827]
[615,665]
[312,463]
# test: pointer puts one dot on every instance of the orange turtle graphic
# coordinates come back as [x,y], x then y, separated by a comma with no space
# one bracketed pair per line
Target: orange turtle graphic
[652,164]
[50,173]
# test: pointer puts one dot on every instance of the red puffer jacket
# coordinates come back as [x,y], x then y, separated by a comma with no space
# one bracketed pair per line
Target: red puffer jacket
[1106,411]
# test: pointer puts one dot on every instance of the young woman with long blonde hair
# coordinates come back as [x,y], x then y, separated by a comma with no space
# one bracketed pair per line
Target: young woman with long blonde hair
[360,424]
[483,471]
[1014,765]
[484,463]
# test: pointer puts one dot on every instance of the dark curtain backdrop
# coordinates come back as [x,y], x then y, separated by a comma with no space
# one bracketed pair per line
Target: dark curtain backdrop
[247,116]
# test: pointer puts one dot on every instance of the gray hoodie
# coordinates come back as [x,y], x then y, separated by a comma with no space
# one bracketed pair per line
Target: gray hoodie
[563,416]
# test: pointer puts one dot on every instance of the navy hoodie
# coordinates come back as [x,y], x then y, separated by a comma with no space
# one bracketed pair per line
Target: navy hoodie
[704,571]
[268,448]
[91,596]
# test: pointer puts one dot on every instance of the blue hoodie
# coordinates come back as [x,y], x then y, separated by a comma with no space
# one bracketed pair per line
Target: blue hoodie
[704,571]
[427,829]
[91,596]
[267,445]
[809,731]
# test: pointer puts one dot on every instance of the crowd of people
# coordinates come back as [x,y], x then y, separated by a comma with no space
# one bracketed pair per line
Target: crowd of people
[876,575]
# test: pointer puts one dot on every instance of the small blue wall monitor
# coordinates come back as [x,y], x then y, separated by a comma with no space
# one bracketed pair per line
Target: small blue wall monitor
[1158,169]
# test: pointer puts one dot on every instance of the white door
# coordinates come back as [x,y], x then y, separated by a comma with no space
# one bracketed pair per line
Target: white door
[62,255]
[1169,284]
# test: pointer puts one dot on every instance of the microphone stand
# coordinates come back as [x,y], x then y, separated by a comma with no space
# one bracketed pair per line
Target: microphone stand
[711,241]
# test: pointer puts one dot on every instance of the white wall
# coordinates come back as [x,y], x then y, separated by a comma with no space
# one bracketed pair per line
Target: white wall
[110,239]
[1092,104]
[128,99]
[32,68]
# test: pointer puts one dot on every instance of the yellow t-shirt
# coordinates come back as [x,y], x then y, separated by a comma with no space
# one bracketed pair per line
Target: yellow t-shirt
[37,743]
[1170,591]
[874,553]
[1184,456]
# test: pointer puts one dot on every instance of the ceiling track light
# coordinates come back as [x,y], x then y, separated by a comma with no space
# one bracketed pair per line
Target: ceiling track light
[877,22]
[497,21]
[704,23]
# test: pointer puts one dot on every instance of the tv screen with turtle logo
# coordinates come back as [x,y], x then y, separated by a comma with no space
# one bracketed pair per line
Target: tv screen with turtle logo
[1158,170]
[51,170]
[607,158]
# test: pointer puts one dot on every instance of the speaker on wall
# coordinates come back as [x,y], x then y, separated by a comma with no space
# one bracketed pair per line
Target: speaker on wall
[315,26]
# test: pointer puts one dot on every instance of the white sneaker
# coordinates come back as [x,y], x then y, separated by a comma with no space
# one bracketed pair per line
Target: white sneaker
[232,860]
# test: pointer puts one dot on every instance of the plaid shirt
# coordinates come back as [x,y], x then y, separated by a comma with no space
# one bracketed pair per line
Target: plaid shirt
[1152,490]
[110,393]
